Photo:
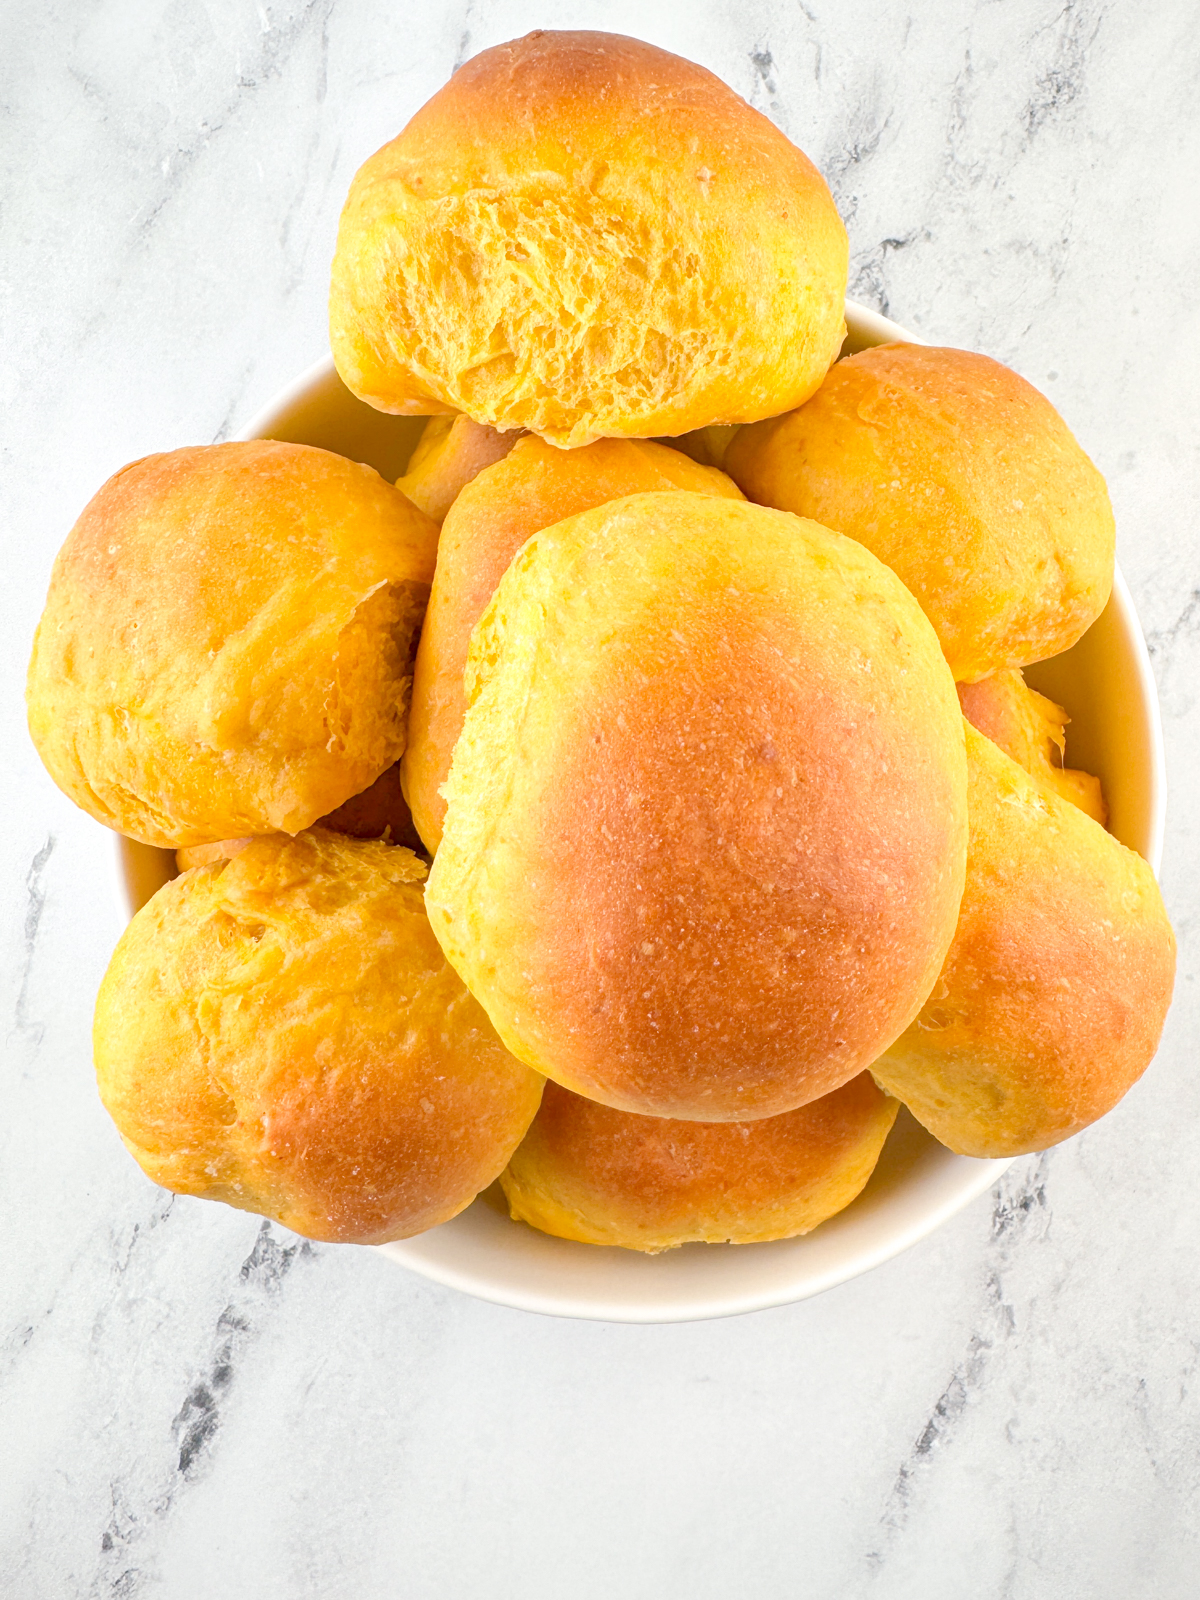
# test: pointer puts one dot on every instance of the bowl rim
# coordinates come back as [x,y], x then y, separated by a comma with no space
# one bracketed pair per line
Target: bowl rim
[444,1255]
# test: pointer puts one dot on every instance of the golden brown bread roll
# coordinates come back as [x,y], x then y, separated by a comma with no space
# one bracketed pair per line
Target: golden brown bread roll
[227,643]
[536,486]
[281,1031]
[1031,729]
[586,1172]
[1054,992]
[964,480]
[706,829]
[450,452]
[586,236]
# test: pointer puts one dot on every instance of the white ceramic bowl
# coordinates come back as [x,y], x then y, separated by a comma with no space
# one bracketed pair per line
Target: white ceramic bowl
[1104,682]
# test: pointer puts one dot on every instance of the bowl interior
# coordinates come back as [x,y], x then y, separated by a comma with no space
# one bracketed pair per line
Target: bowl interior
[1106,685]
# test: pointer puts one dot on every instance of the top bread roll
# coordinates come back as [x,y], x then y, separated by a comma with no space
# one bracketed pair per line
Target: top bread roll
[586,236]
[964,480]
[706,830]
[227,643]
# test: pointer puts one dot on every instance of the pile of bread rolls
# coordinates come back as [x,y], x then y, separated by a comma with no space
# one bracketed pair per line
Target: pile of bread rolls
[595,809]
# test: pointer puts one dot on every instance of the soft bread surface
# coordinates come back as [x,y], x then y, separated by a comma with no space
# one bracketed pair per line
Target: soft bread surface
[380,812]
[1054,992]
[706,830]
[1032,730]
[964,480]
[586,236]
[492,518]
[281,1031]
[227,643]
[587,1172]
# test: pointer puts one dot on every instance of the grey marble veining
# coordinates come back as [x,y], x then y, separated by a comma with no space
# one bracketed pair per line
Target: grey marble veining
[194,1403]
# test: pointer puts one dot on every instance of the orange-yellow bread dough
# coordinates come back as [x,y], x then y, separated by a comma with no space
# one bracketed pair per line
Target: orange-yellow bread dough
[1031,729]
[450,452]
[964,480]
[1054,992]
[586,236]
[227,643]
[281,1031]
[380,812]
[586,1172]
[536,486]
[706,830]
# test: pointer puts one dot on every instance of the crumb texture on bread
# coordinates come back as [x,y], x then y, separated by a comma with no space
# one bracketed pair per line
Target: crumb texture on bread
[964,480]
[706,827]
[281,1031]
[587,1172]
[1054,992]
[586,236]
[227,643]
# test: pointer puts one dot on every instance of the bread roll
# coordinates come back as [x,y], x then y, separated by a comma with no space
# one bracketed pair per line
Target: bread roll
[450,452]
[1054,992]
[281,1031]
[586,1172]
[1032,730]
[706,829]
[964,480]
[227,644]
[586,236]
[536,486]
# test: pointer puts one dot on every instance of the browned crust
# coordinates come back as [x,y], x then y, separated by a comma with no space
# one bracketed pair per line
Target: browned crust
[585,235]
[706,830]
[1055,989]
[534,487]
[281,1031]
[965,480]
[227,641]
[587,1172]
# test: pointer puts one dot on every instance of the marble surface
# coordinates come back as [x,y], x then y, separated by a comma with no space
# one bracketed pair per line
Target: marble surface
[196,1404]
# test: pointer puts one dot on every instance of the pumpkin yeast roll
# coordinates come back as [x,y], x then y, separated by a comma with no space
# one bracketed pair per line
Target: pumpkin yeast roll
[1054,992]
[587,1172]
[227,644]
[706,824]
[586,236]
[964,480]
[489,522]
[1032,730]
[282,1032]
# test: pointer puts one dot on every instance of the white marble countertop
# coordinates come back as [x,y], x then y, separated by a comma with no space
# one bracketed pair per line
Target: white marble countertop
[195,1404]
